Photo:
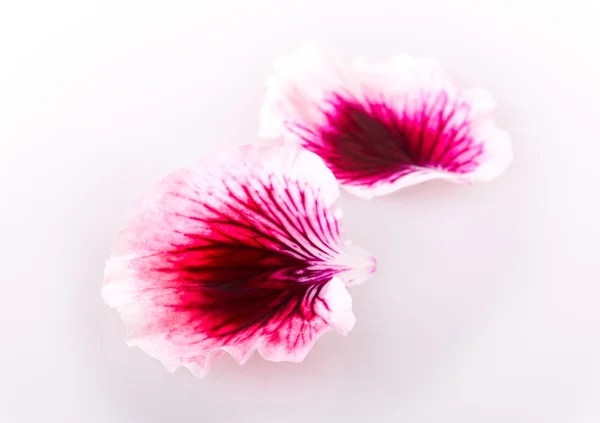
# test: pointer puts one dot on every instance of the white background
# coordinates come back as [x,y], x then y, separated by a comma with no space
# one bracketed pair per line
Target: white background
[485,307]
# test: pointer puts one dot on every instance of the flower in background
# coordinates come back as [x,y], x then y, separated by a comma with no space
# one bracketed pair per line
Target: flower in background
[382,127]
[240,253]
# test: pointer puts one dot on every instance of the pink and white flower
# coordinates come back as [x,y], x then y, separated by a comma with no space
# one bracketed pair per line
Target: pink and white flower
[382,127]
[241,253]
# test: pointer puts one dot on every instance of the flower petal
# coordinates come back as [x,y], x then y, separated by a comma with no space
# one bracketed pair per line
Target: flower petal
[240,253]
[381,127]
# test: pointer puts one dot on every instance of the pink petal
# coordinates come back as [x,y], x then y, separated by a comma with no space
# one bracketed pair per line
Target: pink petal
[241,253]
[381,127]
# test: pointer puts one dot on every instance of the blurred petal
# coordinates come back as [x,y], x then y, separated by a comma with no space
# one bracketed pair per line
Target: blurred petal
[240,253]
[381,127]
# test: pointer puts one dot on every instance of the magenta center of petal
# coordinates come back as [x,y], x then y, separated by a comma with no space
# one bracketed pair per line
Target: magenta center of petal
[364,142]
[252,266]
[237,289]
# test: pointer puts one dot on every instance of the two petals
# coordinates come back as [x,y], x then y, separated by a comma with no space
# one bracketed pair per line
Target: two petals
[244,251]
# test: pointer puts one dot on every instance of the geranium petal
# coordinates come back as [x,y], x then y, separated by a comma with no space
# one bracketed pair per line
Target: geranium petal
[381,127]
[241,253]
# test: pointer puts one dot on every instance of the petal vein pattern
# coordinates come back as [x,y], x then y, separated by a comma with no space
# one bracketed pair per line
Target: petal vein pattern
[382,127]
[240,253]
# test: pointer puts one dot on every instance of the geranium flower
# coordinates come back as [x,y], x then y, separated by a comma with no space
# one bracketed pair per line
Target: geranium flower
[240,253]
[381,127]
